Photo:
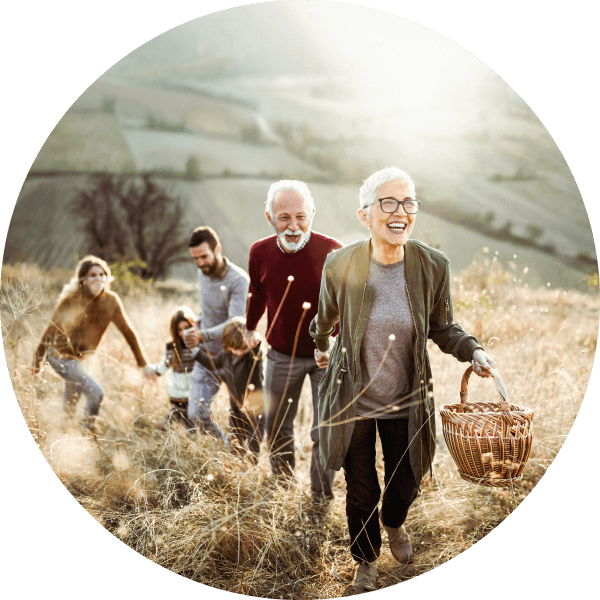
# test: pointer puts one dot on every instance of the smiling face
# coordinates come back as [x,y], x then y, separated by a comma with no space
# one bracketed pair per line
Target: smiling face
[389,231]
[292,218]
[207,260]
[94,280]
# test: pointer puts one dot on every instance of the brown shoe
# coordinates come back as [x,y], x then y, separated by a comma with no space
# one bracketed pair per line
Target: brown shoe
[400,543]
[365,577]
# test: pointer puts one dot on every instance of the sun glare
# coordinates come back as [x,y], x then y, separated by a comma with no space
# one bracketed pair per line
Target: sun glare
[395,64]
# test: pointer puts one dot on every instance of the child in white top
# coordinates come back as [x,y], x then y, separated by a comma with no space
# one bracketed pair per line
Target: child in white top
[180,361]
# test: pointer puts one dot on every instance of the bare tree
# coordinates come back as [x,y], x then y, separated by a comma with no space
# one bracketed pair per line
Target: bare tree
[132,218]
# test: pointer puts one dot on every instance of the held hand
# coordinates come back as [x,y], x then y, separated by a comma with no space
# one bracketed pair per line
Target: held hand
[252,338]
[482,362]
[191,337]
[322,358]
[149,372]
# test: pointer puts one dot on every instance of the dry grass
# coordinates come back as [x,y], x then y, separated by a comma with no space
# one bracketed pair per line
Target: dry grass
[188,505]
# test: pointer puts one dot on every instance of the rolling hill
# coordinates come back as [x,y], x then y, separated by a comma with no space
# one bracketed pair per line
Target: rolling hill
[273,106]
[235,208]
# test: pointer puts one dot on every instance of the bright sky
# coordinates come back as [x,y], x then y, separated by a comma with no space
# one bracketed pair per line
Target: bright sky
[392,60]
[398,67]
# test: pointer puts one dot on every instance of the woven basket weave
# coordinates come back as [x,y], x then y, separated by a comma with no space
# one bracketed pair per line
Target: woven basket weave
[490,442]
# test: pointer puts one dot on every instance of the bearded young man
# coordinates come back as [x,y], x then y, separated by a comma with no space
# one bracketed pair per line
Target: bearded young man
[285,276]
[223,294]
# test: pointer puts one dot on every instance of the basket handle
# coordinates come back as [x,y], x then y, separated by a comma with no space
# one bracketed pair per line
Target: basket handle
[504,402]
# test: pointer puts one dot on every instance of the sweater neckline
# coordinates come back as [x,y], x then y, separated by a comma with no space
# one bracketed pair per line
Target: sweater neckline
[86,296]
[364,250]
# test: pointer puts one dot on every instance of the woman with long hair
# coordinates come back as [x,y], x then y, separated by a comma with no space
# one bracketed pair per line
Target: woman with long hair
[84,310]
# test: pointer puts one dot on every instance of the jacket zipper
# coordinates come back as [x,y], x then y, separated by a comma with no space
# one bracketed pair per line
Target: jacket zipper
[412,314]
[447,309]
[356,330]
[421,375]
[353,378]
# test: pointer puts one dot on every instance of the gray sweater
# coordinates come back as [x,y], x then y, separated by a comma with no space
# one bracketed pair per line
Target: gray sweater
[221,298]
[387,365]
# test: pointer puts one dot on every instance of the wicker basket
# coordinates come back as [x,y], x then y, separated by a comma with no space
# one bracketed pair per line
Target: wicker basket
[490,442]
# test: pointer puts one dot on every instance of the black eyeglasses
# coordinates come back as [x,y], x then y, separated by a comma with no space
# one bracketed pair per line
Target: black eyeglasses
[390,205]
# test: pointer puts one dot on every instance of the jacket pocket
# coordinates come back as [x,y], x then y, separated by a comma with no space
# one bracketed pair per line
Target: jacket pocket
[335,399]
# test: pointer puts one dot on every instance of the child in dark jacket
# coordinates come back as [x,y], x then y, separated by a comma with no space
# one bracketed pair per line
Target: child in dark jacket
[180,361]
[241,369]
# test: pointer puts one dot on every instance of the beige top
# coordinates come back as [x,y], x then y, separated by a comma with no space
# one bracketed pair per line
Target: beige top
[79,322]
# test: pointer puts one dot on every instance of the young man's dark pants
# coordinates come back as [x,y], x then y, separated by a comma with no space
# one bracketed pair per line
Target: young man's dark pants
[362,485]
[246,429]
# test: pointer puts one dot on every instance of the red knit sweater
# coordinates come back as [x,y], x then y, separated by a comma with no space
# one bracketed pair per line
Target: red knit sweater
[269,269]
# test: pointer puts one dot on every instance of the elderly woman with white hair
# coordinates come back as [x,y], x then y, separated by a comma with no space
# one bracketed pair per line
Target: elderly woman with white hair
[389,294]
[84,310]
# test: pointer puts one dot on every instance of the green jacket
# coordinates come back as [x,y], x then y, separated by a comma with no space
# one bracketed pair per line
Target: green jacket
[346,297]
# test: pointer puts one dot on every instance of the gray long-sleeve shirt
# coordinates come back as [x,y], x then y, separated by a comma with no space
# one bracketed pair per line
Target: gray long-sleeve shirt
[220,300]
[387,365]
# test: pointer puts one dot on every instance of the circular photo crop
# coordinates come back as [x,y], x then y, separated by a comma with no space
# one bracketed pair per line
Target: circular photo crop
[298,300]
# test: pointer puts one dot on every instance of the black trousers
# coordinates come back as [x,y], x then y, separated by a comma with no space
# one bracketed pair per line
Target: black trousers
[362,484]
[178,414]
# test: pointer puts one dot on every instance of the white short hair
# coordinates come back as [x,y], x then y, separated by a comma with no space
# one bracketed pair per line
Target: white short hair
[288,185]
[368,192]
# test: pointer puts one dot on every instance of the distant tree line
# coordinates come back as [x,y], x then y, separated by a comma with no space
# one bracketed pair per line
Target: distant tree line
[484,225]
[158,124]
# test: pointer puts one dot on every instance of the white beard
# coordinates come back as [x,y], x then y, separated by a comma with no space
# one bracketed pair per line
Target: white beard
[292,246]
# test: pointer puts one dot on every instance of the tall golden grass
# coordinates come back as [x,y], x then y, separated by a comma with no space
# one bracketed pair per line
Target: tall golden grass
[191,507]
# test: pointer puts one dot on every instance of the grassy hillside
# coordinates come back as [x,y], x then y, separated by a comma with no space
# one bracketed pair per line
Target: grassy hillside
[189,506]
[485,160]
[336,207]
[161,150]
[177,105]
[43,229]
[83,142]
[235,208]
[512,171]
[491,161]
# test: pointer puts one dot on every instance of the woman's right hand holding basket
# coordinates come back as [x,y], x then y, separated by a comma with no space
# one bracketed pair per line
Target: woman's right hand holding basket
[482,363]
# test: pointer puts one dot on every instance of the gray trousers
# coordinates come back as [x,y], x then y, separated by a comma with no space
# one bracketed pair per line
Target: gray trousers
[77,381]
[282,395]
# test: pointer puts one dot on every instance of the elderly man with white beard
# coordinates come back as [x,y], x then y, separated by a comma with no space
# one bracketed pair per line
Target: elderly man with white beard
[285,278]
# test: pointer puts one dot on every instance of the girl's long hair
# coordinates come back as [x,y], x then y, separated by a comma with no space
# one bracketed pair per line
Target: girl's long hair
[182,314]
[81,270]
